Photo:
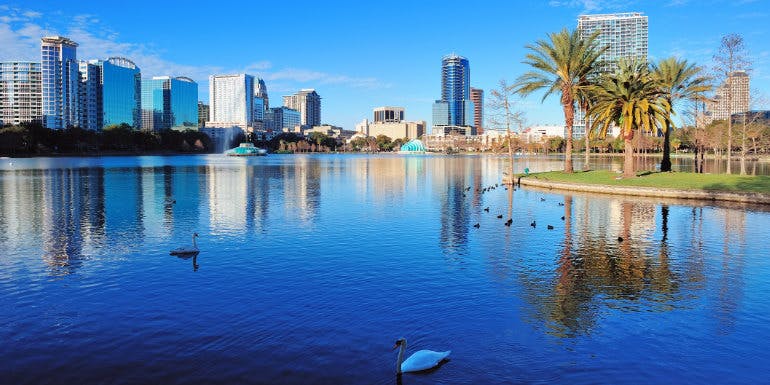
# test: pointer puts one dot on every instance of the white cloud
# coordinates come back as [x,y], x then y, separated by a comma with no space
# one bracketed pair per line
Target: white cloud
[20,40]
[588,6]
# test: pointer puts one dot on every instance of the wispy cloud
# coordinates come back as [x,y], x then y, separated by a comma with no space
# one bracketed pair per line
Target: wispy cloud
[21,30]
[588,6]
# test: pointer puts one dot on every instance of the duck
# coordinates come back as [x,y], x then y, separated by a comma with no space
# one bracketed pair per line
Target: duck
[549,227]
[477,225]
[500,216]
[419,360]
[533,224]
[486,209]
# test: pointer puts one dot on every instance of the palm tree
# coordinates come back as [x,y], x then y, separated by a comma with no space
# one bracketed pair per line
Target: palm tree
[629,98]
[561,64]
[677,80]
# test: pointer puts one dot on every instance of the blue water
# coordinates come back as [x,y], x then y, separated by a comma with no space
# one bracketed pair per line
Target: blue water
[312,266]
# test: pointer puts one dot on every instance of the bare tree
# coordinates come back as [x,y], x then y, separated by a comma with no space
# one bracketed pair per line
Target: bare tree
[758,102]
[731,57]
[502,114]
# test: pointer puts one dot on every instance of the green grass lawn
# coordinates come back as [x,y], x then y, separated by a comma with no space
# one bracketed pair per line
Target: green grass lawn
[673,180]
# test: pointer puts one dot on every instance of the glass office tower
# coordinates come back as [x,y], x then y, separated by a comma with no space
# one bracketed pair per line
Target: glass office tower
[60,82]
[455,109]
[121,92]
[169,104]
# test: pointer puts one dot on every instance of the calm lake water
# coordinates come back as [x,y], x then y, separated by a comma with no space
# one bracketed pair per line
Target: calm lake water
[312,266]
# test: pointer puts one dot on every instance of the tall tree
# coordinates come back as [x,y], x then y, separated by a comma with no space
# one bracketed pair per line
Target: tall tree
[678,80]
[731,57]
[560,65]
[629,98]
[503,114]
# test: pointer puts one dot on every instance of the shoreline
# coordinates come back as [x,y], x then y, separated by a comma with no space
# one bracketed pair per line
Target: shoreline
[752,198]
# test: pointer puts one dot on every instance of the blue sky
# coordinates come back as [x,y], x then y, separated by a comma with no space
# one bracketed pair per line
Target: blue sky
[360,55]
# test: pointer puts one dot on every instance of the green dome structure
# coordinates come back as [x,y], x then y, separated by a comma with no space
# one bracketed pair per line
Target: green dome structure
[413,146]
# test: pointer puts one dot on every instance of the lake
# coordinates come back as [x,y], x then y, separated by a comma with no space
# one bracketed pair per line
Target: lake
[311,266]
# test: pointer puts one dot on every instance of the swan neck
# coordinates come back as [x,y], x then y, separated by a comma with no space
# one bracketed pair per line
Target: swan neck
[195,245]
[400,357]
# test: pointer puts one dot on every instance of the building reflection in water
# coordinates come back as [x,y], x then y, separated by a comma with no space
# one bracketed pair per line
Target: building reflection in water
[72,216]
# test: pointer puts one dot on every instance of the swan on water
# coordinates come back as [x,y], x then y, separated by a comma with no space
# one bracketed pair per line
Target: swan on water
[420,360]
[187,250]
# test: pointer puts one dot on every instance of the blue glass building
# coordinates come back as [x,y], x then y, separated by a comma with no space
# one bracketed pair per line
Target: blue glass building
[60,82]
[455,109]
[169,103]
[121,92]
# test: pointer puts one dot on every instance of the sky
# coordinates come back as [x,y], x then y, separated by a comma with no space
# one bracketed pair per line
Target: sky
[359,55]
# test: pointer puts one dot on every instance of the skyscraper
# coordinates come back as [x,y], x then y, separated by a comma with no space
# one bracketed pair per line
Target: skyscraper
[477,97]
[231,99]
[90,115]
[59,68]
[625,35]
[454,112]
[719,109]
[121,92]
[169,103]
[20,93]
[308,103]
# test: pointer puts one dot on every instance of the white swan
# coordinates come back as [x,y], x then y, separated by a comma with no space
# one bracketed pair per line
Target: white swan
[187,250]
[420,360]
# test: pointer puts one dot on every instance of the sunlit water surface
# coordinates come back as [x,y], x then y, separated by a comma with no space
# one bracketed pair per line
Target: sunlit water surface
[312,266]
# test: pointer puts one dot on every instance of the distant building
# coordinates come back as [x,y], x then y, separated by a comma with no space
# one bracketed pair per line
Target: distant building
[625,35]
[231,99]
[388,114]
[477,97]
[121,92]
[260,91]
[453,113]
[534,134]
[282,119]
[308,103]
[169,103]
[59,71]
[203,114]
[20,93]
[389,121]
[90,115]
[719,109]
[109,93]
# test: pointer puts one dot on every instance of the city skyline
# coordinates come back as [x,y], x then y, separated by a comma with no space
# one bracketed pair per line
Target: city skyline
[353,77]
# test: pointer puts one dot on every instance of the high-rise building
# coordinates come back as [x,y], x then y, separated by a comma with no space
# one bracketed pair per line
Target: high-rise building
[59,69]
[477,97]
[625,35]
[169,103]
[20,93]
[121,92]
[231,99]
[282,119]
[203,114]
[260,91]
[454,112]
[308,103]
[90,114]
[719,108]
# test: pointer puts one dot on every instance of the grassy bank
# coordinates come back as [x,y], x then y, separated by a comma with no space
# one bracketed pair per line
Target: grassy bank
[667,180]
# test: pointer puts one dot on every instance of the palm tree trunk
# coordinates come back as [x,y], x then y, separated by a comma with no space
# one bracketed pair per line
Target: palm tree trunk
[628,160]
[569,119]
[588,145]
[665,164]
